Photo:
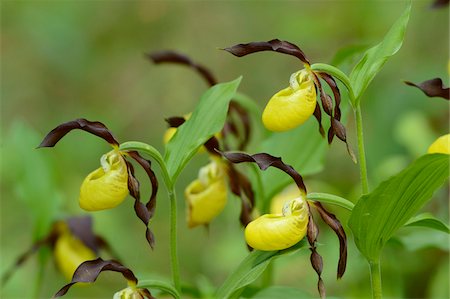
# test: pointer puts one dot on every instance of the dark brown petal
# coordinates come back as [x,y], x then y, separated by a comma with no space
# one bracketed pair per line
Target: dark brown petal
[145,212]
[318,116]
[312,231]
[440,3]
[327,103]
[81,227]
[245,122]
[174,57]
[133,182]
[241,187]
[265,161]
[432,88]
[339,130]
[212,145]
[175,121]
[93,127]
[272,45]
[88,272]
[336,93]
[331,220]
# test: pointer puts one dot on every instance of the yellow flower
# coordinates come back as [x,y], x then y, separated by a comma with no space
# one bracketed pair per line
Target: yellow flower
[279,231]
[293,105]
[107,186]
[441,145]
[206,196]
[70,252]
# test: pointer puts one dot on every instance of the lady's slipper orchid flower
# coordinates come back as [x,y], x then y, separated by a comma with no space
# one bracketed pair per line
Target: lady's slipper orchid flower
[280,231]
[278,201]
[107,186]
[440,145]
[293,105]
[88,272]
[207,195]
[72,242]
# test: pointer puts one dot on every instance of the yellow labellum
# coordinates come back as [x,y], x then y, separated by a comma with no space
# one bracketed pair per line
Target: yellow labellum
[69,253]
[441,145]
[293,105]
[279,231]
[107,186]
[206,196]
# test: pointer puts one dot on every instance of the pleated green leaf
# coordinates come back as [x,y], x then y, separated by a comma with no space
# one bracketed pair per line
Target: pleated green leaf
[207,119]
[429,221]
[250,269]
[378,215]
[374,58]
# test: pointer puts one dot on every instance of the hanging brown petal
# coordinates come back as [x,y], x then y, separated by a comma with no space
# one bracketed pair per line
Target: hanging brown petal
[93,127]
[174,57]
[81,227]
[265,161]
[432,88]
[331,220]
[275,45]
[339,130]
[318,116]
[336,93]
[241,187]
[144,212]
[175,121]
[212,145]
[88,272]
[245,123]
[316,259]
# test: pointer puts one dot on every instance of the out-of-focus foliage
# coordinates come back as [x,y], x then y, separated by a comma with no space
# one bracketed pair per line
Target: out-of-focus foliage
[69,59]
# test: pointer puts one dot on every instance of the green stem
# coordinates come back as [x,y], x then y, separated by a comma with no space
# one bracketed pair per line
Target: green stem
[361,151]
[375,279]
[173,240]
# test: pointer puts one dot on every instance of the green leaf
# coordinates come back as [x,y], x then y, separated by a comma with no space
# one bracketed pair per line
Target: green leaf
[331,199]
[250,269]
[281,292]
[374,58]
[379,214]
[207,119]
[428,220]
[160,285]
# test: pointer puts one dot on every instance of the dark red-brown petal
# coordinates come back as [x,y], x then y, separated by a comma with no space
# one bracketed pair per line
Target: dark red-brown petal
[432,88]
[339,130]
[316,260]
[175,121]
[265,161]
[212,145]
[336,93]
[245,122]
[241,187]
[275,45]
[144,212]
[331,220]
[94,127]
[88,272]
[318,116]
[81,227]
[174,57]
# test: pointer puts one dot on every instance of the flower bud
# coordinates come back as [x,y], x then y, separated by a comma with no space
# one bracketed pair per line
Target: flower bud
[107,186]
[279,200]
[70,252]
[441,145]
[293,105]
[206,196]
[279,231]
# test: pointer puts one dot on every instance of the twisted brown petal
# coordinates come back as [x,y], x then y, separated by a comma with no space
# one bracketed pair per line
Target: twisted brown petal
[315,258]
[265,161]
[174,57]
[241,187]
[275,45]
[94,127]
[432,88]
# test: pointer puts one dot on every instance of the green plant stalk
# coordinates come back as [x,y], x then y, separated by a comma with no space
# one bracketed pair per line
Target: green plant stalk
[361,151]
[375,279]
[173,240]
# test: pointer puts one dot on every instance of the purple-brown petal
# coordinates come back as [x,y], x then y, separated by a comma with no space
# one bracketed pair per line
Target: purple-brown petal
[94,127]
[432,88]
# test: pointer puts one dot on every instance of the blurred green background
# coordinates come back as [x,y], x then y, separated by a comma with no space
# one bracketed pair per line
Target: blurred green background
[62,60]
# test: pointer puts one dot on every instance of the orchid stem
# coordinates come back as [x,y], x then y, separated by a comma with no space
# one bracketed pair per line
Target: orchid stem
[173,240]
[375,279]
[361,151]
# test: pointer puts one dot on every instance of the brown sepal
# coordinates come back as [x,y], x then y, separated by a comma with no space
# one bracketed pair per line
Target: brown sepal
[241,187]
[432,88]
[144,212]
[331,220]
[94,127]
[174,57]
[175,121]
[212,145]
[265,161]
[81,227]
[275,45]
[318,116]
[245,122]
[440,3]
[336,93]
[339,130]
[88,272]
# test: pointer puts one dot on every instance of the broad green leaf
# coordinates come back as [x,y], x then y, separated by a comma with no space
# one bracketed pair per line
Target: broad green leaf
[281,292]
[379,214]
[250,269]
[428,220]
[374,58]
[160,285]
[207,119]
[331,199]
